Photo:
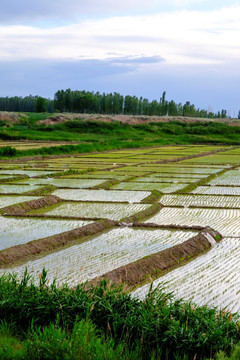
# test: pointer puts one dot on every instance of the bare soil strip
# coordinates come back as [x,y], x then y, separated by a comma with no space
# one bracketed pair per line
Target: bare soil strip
[158,264]
[22,208]
[171,226]
[24,252]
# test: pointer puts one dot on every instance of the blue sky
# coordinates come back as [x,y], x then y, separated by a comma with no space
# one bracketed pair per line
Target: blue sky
[188,48]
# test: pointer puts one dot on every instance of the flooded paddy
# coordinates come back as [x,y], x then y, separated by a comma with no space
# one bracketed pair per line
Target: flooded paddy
[74,183]
[11,200]
[213,278]
[165,188]
[232,177]
[176,180]
[104,253]
[157,168]
[16,231]
[217,190]
[213,201]
[102,195]
[16,189]
[95,210]
[208,279]
[226,221]
[29,173]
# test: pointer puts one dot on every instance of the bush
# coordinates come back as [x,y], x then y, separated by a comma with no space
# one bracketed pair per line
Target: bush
[7,151]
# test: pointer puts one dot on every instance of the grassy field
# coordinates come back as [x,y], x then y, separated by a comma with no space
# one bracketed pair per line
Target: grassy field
[94,134]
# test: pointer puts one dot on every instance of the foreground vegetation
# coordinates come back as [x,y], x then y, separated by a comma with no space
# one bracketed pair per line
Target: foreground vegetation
[101,136]
[48,322]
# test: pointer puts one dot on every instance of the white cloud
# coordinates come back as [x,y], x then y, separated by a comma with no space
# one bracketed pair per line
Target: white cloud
[181,37]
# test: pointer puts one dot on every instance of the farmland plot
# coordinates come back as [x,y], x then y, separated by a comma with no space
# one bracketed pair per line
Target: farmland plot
[102,195]
[212,279]
[95,210]
[175,169]
[175,180]
[16,189]
[29,173]
[98,176]
[134,185]
[215,159]
[75,183]
[15,231]
[213,201]
[182,176]
[231,177]
[217,190]
[226,221]
[104,253]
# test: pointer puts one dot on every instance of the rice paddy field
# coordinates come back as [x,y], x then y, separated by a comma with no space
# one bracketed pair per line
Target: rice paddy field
[107,212]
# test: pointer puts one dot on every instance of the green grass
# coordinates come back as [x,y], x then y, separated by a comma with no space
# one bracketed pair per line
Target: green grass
[53,342]
[104,322]
[100,136]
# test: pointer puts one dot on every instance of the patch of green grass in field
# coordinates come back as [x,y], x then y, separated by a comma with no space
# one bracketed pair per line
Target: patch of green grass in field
[215,159]
[99,136]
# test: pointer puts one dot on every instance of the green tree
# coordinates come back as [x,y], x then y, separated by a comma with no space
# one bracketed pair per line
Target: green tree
[40,105]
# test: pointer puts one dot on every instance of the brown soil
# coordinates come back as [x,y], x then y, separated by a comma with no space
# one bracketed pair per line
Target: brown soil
[22,253]
[129,119]
[157,264]
[10,117]
[169,226]
[21,209]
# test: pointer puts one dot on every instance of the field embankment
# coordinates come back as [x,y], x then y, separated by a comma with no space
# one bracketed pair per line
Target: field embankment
[84,133]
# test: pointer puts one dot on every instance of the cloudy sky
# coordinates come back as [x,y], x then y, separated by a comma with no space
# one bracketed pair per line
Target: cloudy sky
[188,48]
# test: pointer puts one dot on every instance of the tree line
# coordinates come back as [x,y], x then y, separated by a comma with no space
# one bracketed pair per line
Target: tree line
[113,103]
[26,104]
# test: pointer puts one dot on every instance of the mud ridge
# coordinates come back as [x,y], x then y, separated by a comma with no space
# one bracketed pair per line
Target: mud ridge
[14,178]
[24,207]
[159,263]
[169,226]
[41,191]
[144,214]
[24,252]
[106,185]
[154,197]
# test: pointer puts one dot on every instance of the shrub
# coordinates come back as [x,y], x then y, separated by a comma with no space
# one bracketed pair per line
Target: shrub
[7,151]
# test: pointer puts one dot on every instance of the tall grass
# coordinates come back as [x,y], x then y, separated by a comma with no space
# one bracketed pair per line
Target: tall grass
[159,327]
[53,342]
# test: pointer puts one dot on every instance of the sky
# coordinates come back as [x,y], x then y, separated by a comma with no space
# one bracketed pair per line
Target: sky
[188,48]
